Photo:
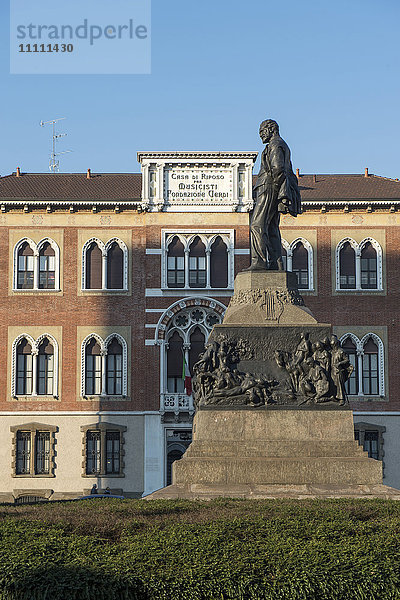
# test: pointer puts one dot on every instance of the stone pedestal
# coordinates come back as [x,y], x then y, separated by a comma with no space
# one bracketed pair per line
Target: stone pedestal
[270,419]
[283,453]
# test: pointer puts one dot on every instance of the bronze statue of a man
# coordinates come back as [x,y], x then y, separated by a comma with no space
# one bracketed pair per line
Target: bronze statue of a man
[277,192]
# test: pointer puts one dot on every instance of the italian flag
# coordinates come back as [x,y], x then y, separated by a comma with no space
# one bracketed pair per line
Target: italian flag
[186,377]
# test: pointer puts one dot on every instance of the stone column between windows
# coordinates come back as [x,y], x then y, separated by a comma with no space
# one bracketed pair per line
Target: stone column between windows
[103,372]
[35,353]
[104,271]
[360,372]
[36,271]
[208,268]
[289,260]
[358,269]
[186,267]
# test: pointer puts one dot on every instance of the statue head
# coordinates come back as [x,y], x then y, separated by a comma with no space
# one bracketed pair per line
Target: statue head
[268,129]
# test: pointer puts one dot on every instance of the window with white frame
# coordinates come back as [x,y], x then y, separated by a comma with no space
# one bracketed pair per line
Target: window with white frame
[367,357]
[36,266]
[370,437]
[298,257]
[34,366]
[199,261]
[104,366]
[105,266]
[358,266]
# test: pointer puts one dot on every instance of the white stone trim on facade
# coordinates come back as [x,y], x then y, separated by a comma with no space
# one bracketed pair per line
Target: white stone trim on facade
[208,237]
[357,249]
[36,251]
[103,351]
[35,351]
[359,344]
[104,247]
[310,257]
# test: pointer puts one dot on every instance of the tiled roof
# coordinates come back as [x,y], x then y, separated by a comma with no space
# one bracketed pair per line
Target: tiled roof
[347,187]
[72,186]
[128,187]
[351,187]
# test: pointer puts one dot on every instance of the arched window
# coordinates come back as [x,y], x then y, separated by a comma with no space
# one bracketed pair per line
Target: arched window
[369,279]
[115,267]
[25,267]
[176,264]
[45,368]
[175,381]
[93,374]
[104,366]
[219,264]
[114,368]
[347,266]
[370,368]
[367,357]
[47,267]
[197,264]
[93,267]
[300,265]
[197,341]
[351,350]
[24,371]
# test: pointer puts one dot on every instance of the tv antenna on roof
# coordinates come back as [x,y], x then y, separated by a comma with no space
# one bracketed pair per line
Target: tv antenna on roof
[54,163]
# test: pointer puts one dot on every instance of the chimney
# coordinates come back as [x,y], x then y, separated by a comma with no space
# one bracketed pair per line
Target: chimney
[18,173]
[88,174]
[298,173]
[366,172]
[314,177]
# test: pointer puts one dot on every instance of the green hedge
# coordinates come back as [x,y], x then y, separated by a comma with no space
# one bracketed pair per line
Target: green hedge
[224,549]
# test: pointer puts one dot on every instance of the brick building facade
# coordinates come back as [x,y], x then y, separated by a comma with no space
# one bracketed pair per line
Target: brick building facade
[109,280]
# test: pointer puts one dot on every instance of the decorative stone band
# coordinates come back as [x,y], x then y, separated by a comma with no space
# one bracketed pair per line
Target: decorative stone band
[271,301]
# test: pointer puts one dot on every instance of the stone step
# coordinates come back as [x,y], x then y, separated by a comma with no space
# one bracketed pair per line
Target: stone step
[265,492]
[264,470]
[274,448]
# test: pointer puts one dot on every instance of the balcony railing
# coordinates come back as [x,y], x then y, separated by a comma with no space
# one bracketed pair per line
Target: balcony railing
[176,403]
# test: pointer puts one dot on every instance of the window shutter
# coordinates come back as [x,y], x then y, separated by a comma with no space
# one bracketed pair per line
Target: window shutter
[219,264]
[115,267]
[93,267]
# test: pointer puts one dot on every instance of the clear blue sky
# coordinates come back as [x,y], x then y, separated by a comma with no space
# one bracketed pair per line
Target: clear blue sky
[328,72]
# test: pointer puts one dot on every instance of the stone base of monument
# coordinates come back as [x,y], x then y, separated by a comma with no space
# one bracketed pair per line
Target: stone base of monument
[264,453]
[272,415]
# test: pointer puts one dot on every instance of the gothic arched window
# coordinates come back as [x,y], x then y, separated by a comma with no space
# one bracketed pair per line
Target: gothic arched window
[351,350]
[25,267]
[45,368]
[370,368]
[115,267]
[347,266]
[176,264]
[197,264]
[24,371]
[219,264]
[93,374]
[300,265]
[175,381]
[369,279]
[47,267]
[114,368]
[93,267]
